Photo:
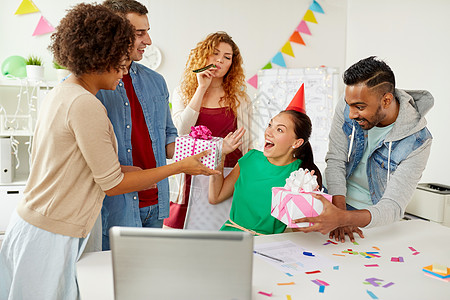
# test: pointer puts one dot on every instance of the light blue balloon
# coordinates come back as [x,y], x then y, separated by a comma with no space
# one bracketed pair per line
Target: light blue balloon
[15,65]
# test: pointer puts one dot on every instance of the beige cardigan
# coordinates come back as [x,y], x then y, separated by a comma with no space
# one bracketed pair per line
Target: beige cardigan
[74,159]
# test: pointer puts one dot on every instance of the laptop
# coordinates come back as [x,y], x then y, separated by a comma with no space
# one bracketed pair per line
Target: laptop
[150,263]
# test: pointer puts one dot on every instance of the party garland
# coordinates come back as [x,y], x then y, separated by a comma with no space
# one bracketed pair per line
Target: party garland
[295,37]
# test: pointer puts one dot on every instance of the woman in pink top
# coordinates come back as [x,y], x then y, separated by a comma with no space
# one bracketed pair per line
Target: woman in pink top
[215,98]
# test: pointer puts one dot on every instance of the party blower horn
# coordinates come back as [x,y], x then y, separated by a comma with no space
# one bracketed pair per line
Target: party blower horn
[298,102]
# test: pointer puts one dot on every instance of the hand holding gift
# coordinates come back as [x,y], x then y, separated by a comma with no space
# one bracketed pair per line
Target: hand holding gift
[295,200]
[199,140]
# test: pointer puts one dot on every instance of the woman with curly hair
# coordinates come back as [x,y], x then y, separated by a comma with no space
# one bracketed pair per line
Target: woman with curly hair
[74,160]
[215,98]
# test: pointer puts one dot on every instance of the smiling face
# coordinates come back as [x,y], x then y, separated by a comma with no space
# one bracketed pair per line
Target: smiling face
[112,77]
[280,140]
[366,106]
[222,57]
[141,25]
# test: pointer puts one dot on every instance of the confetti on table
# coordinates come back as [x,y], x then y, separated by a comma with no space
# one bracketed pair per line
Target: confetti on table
[286,283]
[288,297]
[336,268]
[388,284]
[265,294]
[355,243]
[322,282]
[373,281]
[412,249]
[288,274]
[397,259]
[308,253]
[372,295]
[313,272]
[415,253]
[373,254]
[373,265]
[330,241]
[321,289]
[338,254]
[376,248]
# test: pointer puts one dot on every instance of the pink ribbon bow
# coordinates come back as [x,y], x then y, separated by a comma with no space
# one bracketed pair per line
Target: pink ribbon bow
[200,132]
[302,204]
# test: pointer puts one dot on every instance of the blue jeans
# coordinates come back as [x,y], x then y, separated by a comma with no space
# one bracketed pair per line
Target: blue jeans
[149,216]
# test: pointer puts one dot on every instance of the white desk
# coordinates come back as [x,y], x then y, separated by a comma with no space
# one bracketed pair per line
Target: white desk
[430,239]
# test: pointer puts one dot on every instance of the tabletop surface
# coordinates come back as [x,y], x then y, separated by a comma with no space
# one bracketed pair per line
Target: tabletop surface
[419,243]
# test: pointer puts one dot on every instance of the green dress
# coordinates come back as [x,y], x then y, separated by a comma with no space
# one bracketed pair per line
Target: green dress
[252,198]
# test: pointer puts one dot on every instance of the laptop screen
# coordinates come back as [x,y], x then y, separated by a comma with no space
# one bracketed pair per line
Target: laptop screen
[151,263]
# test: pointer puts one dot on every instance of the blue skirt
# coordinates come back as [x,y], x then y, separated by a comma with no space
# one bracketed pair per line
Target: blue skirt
[38,264]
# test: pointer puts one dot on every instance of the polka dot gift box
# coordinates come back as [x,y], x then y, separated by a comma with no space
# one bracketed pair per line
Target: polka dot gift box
[199,140]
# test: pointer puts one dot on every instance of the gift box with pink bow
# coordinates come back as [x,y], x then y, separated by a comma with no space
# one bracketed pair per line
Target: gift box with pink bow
[199,140]
[295,200]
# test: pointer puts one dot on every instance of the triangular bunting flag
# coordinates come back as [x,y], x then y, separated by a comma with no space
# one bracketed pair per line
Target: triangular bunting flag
[297,38]
[279,60]
[43,27]
[253,81]
[26,7]
[316,7]
[309,17]
[303,28]
[267,67]
[287,49]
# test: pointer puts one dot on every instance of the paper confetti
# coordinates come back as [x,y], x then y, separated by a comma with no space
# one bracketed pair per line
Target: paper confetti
[265,294]
[321,289]
[374,265]
[286,283]
[288,297]
[372,295]
[388,284]
[313,272]
[322,282]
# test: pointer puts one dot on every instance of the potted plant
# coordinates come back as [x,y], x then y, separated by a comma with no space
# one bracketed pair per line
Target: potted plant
[61,72]
[35,69]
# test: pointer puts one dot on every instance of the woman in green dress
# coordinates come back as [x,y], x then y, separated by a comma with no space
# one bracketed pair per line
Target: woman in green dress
[286,149]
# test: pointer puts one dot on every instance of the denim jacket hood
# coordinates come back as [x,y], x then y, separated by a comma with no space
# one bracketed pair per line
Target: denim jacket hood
[408,134]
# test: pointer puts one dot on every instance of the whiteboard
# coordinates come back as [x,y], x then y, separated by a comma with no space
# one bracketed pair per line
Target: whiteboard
[277,87]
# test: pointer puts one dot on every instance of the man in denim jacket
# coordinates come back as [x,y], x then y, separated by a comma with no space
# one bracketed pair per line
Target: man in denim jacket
[379,147]
[139,111]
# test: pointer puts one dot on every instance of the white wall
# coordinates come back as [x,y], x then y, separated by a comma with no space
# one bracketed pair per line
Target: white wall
[412,36]
[259,27]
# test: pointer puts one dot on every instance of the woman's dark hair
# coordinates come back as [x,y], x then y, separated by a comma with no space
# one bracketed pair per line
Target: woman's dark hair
[91,38]
[372,72]
[302,130]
